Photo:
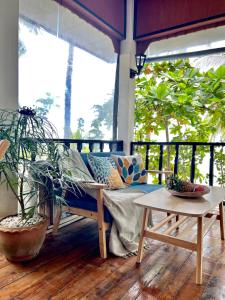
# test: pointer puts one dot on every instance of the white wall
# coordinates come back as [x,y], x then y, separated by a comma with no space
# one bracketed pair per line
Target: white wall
[9,11]
[127,85]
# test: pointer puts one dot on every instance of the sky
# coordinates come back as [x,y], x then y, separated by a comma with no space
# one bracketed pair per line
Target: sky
[42,69]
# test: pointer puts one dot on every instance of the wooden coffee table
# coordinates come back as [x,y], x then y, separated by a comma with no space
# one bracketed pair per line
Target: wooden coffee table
[195,210]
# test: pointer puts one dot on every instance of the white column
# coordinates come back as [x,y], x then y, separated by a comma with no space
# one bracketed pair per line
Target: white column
[127,85]
[9,12]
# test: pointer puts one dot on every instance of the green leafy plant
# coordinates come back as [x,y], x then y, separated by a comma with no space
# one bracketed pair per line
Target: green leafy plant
[33,159]
[177,184]
[177,100]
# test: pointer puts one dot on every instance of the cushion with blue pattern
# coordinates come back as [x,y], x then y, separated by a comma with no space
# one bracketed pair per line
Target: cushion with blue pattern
[105,171]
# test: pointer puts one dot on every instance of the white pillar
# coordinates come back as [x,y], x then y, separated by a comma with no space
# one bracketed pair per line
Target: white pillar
[9,12]
[127,85]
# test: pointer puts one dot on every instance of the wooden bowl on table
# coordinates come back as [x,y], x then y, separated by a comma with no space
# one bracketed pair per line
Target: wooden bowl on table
[199,191]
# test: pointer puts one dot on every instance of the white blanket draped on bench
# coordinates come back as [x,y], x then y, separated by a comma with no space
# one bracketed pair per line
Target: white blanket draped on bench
[127,216]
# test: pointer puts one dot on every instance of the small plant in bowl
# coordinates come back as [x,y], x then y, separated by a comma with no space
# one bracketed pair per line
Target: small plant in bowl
[184,188]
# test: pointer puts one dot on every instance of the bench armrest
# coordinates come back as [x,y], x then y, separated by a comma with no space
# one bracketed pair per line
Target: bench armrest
[93,185]
[160,172]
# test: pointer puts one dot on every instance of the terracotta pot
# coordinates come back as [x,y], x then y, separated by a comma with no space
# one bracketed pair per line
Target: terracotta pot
[22,244]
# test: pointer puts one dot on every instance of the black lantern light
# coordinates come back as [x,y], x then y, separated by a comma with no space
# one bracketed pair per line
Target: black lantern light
[140,61]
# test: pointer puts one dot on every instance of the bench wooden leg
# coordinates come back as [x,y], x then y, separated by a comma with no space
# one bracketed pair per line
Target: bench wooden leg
[199,252]
[102,240]
[101,225]
[57,220]
[221,220]
[141,241]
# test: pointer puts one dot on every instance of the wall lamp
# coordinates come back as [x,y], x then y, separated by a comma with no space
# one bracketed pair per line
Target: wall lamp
[140,61]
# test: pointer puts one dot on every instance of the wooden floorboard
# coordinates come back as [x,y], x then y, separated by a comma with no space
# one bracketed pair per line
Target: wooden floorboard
[69,267]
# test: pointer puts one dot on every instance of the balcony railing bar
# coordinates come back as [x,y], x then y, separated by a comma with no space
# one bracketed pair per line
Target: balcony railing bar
[118,146]
[177,145]
[160,163]
[176,159]
[192,175]
[113,145]
[211,165]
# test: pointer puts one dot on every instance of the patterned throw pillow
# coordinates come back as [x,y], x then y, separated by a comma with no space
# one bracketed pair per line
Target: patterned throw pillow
[131,168]
[105,171]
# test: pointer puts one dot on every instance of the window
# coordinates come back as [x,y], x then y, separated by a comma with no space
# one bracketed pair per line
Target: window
[70,81]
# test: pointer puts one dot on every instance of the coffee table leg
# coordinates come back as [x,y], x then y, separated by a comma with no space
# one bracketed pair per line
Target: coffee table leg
[221,221]
[199,252]
[141,242]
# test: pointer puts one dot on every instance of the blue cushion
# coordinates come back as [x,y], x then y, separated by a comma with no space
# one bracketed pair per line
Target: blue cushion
[85,201]
[144,187]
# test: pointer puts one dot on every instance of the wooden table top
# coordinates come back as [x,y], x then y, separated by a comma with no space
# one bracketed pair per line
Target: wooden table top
[162,200]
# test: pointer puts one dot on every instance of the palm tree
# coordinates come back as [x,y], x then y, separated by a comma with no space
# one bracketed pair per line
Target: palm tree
[68,93]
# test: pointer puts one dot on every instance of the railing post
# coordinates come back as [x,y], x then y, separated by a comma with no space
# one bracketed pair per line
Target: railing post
[101,147]
[90,145]
[67,144]
[131,148]
[211,165]
[192,175]
[176,159]
[119,146]
[147,157]
[79,146]
[160,163]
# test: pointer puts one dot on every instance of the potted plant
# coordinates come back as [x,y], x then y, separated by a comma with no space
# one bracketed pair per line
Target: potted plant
[31,161]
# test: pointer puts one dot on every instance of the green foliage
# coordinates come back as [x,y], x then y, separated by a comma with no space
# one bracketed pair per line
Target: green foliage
[178,100]
[79,133]
[177,184]
[104,117]
[44,105]
[33,159]
[219,162]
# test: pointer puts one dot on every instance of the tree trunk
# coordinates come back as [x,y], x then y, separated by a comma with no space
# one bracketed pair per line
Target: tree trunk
[68,93]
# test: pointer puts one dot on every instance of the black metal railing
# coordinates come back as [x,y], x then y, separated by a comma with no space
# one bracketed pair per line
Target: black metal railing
[194,147]
[92,145]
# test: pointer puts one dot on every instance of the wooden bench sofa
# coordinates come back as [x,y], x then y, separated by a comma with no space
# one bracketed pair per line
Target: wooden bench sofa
[87,206]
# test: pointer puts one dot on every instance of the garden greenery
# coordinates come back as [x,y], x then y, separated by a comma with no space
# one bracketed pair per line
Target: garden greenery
[178,101]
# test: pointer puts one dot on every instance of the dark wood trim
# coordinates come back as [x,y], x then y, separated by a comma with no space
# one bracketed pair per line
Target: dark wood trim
[125,20]
[91,12]
[135,19]
[172,28]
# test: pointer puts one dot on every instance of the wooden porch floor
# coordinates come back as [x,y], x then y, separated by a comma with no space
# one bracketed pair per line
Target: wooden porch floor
[68,267]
